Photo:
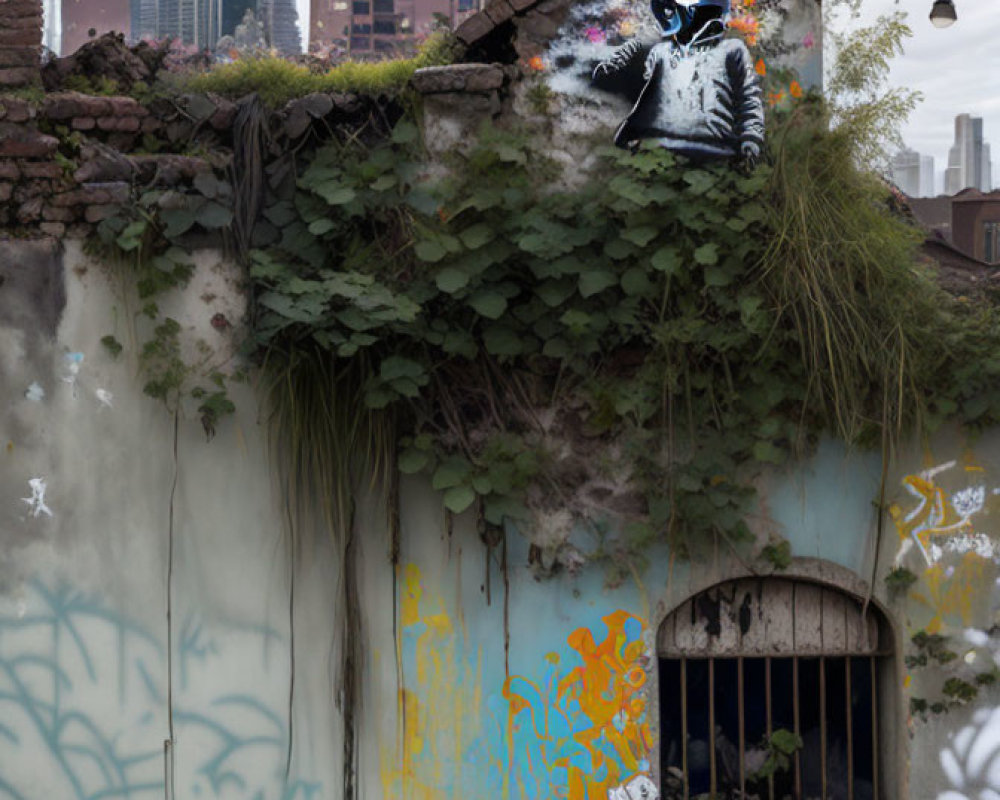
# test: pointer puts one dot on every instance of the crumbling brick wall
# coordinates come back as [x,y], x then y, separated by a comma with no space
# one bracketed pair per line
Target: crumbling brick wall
[20,42]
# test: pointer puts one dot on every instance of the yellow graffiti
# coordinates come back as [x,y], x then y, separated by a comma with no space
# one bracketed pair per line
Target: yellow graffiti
[601,702]
[940,521]
[434,737]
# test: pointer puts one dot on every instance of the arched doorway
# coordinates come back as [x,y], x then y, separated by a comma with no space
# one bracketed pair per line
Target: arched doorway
[770,688]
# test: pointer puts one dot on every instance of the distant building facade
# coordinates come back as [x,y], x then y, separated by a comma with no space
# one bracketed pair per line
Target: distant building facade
[913,173]
[975,224]
[79,17]
[380,28]
[194,22]
[969,163]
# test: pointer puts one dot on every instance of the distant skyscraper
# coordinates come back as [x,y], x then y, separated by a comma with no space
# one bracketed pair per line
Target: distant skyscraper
[194,22]
[969,158]
[281,25]
[913,173]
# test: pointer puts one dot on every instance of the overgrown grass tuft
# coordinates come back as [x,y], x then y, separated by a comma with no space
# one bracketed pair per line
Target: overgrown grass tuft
[277,80]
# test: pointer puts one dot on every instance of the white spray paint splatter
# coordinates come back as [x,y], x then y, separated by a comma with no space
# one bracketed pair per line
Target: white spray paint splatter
[71,369]
[104,397]
[36,502]
[35,393]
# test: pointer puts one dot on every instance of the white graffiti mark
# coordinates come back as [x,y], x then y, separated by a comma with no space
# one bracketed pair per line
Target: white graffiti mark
[36,502]
[638,788]
[35,393]
[71,369]
[938,514]
[969,501]
[104,397]
[971,762]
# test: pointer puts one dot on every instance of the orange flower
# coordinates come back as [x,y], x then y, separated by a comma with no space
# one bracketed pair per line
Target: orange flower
[775,97]
[536,63]
[760,68]
[795,90]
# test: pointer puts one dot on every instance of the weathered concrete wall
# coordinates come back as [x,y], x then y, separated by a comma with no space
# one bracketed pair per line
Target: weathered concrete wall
[481,681]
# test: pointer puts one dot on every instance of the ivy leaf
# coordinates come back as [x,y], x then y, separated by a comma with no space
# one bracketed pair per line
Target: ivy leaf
[335,193]
[488,304]
[460,343]
[596,281]
[707,254]
[667,260]
[641,236]
[130,238]
[496,507]
[450,473]
[717,276]
[214,215]
[404,132]
[384,182]
[459,498]
[451,280]
[177,221]
[555,292]
[322,225]
[475,236]
[393,367]
[430,250]
[636,282]
[502,341]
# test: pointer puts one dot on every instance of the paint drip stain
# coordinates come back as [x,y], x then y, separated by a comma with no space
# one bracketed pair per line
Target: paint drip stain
[35,393]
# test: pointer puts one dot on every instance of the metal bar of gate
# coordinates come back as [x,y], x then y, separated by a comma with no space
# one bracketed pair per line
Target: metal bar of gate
[767,699]
[739,691]
[711,726]
[798,730]
[850,729]
[822,725]
[684,727]
[876,791]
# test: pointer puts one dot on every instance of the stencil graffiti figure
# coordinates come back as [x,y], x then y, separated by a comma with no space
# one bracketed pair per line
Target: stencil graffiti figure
[36,502]
[700,95]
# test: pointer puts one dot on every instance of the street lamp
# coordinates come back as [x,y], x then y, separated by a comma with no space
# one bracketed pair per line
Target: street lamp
[943,13]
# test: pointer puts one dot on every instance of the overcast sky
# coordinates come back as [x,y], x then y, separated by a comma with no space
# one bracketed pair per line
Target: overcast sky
[957,69]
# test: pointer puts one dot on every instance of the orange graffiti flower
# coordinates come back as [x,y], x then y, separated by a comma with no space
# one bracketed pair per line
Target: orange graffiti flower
[795,90]
[759,67]
[775,97]
[536,63]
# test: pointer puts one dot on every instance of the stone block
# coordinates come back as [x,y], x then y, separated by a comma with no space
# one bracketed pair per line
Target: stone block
[499,11]
[20,37]
[22,141]
[30,211]
[83,123]
[91,194]
[56,229]
[18,57]
[458,78]
[127,107]
[94,214]
[9,171]
[56,214]
[6,190]
[474,28]
[19,76]
[41,169]
[126,124]
[14,109]
[66,105]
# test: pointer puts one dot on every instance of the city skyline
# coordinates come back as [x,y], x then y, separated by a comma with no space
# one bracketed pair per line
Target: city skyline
[934,61]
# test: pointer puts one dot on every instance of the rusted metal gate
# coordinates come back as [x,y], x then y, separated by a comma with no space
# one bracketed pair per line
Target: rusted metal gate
[750,657]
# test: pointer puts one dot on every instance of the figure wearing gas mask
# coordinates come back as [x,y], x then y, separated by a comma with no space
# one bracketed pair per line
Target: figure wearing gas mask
[700,95]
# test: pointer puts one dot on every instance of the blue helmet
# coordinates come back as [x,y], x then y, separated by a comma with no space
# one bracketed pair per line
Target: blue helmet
[677,16]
